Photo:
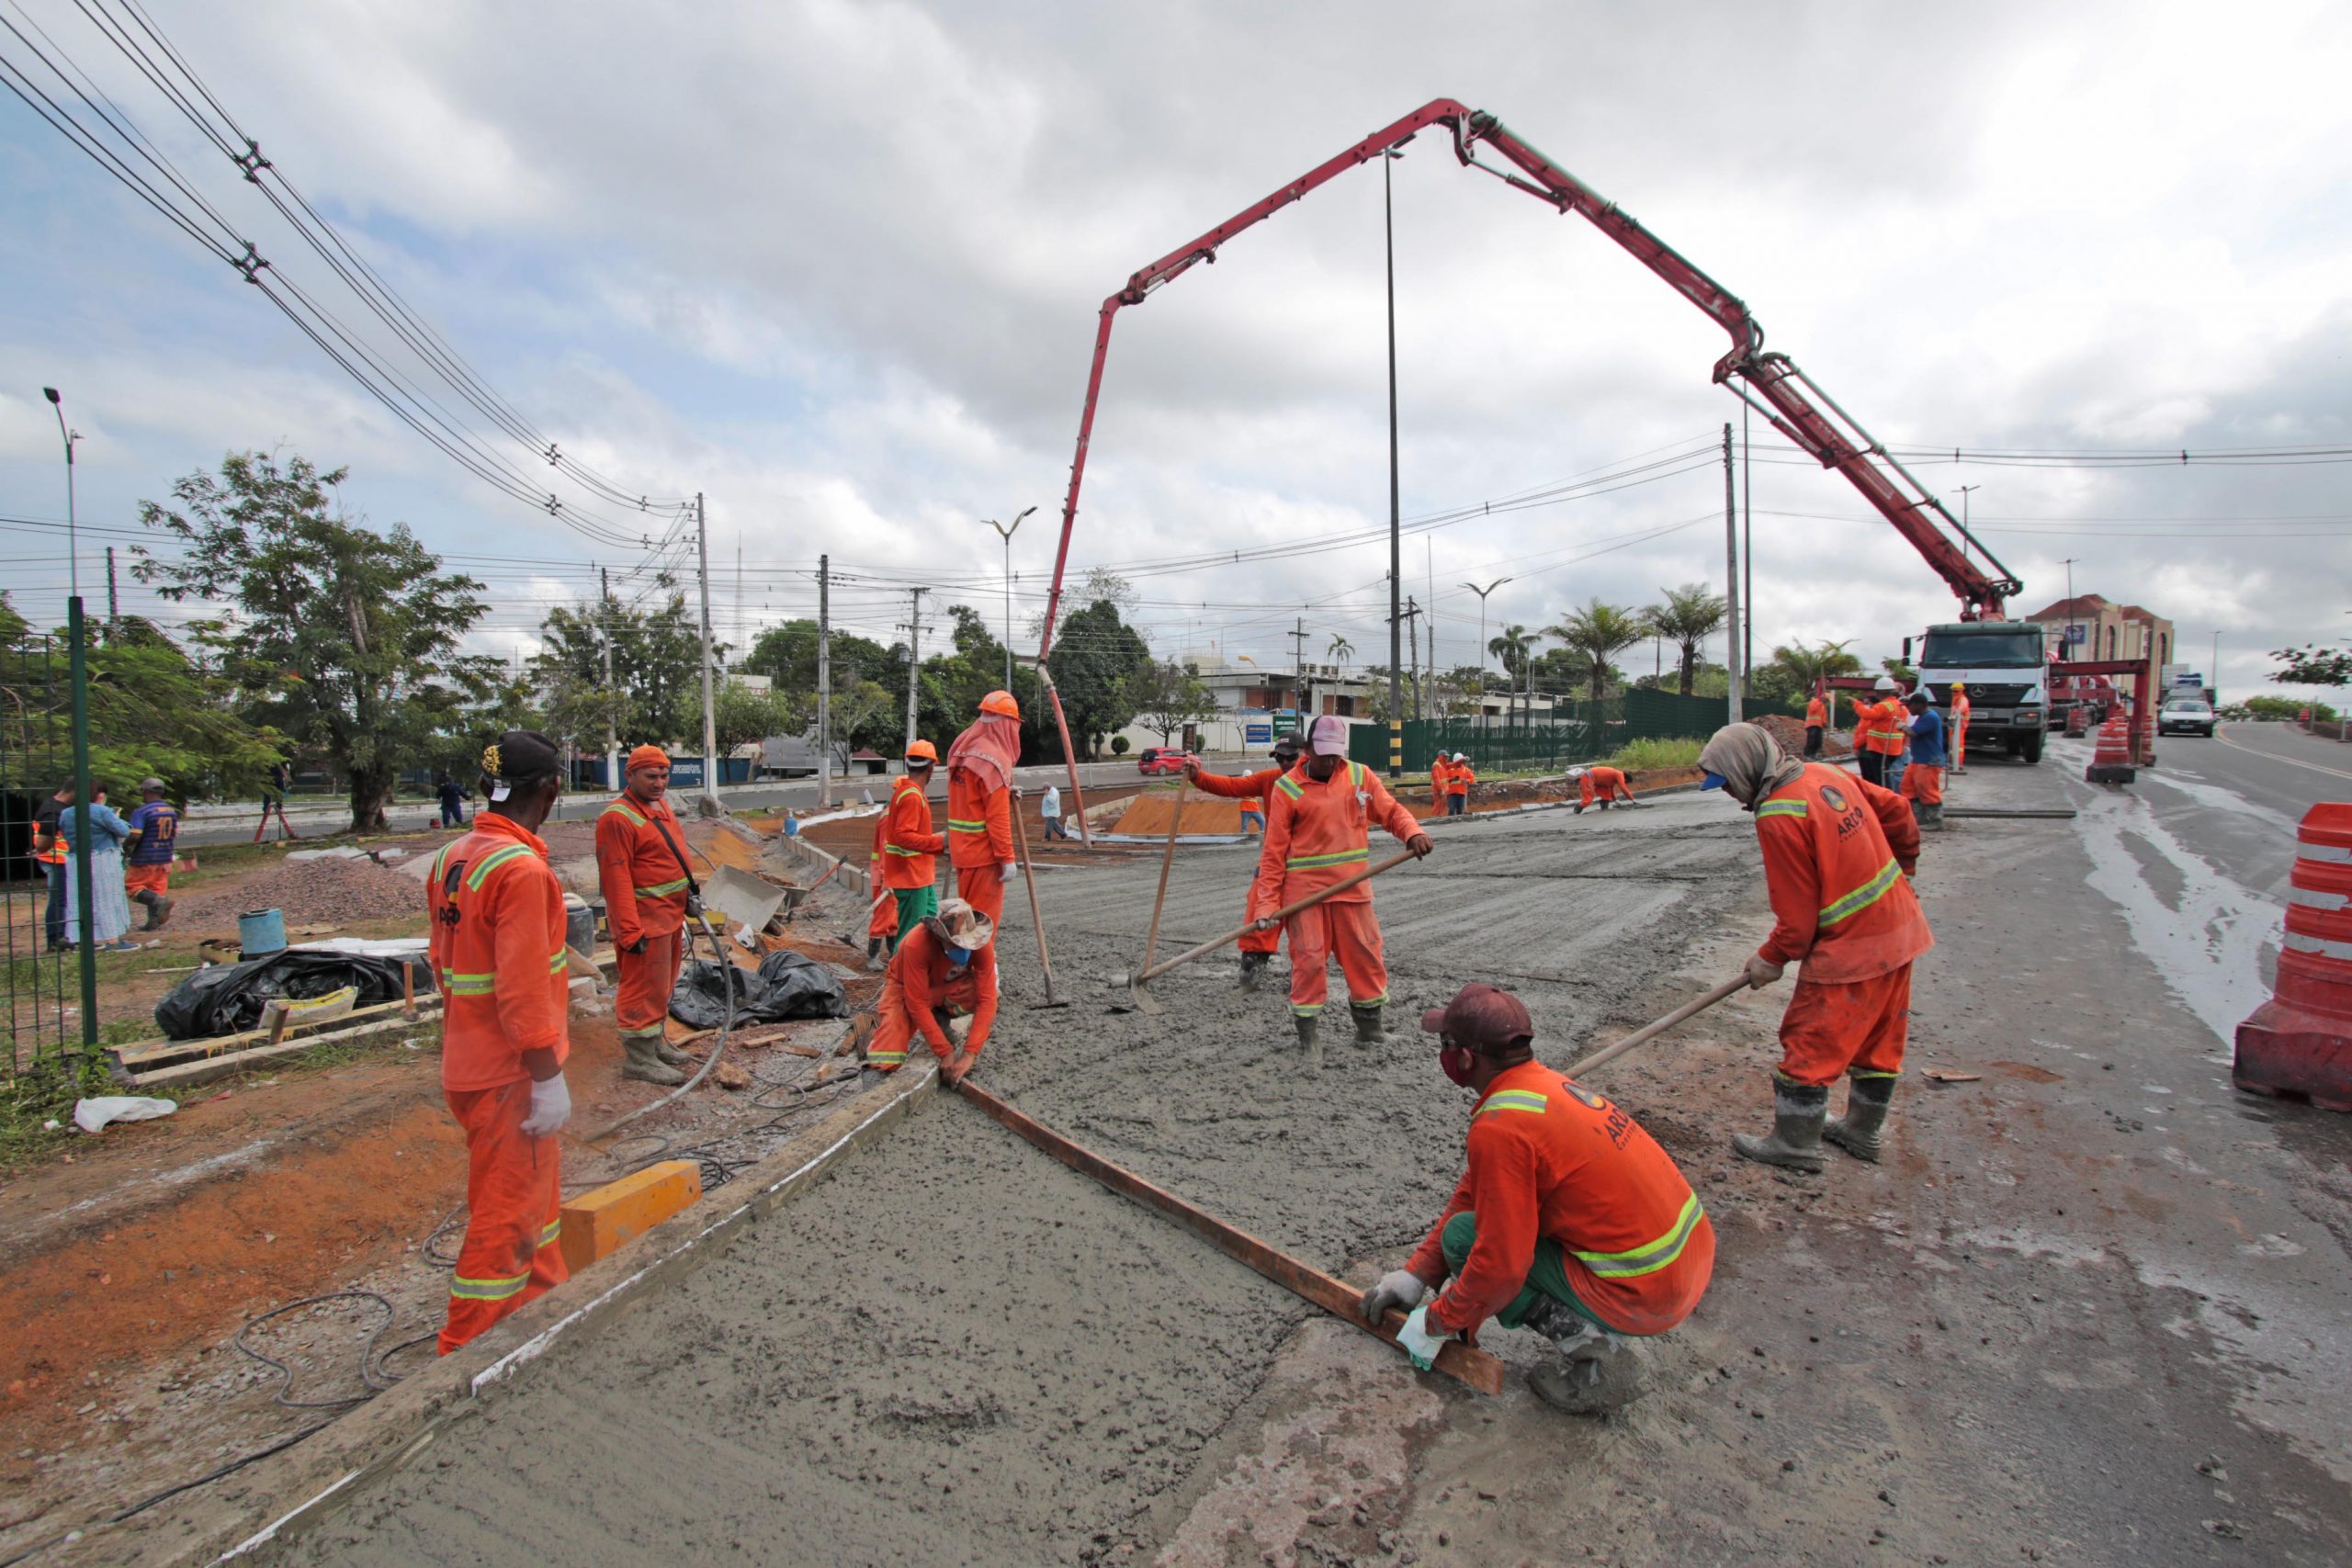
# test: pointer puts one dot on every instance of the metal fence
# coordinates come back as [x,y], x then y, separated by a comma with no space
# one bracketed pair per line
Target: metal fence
[1567,734]
[42,990]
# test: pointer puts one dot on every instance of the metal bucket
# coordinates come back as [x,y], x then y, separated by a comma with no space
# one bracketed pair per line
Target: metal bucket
[579,924]
[261,933]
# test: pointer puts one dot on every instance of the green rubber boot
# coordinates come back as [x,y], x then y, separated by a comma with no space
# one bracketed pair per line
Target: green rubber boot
[1858,1132]
[1368,1026]
[645,1063]
[1253,969]
[1798,1111]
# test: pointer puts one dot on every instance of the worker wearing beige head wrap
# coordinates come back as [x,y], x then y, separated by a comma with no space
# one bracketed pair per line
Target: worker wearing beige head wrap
[1838,854]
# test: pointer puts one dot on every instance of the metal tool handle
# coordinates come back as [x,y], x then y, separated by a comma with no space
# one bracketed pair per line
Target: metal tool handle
[1036,921]
[1649,1031]
[1285,912]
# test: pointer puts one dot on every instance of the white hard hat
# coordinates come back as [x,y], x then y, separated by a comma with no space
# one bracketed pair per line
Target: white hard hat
[1576,772]
[1460,758]
[1885,683]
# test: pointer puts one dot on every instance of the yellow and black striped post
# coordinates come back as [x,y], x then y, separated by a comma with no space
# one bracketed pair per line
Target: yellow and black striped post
[1396,748]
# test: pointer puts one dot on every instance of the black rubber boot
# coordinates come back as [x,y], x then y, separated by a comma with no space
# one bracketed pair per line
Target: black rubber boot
[1368,1027]
[645,1063]
[1795,1142]
[146,896]
[1253,969]
[158,913]
[877,960]
[1308,1036]
[671,1057]
[1858,1132]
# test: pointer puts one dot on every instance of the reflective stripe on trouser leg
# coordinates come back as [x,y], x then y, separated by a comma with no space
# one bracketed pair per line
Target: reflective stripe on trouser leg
[1310,950]
[1861,1023]
[893,1030]
[982,886]
[647,980]
[1548,1275]
[513,1200]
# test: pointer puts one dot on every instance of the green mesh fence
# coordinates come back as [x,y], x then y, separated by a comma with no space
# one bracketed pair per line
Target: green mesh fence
[1580,732]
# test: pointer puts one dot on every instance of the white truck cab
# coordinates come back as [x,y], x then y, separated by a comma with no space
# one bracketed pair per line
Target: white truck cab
[2006,673]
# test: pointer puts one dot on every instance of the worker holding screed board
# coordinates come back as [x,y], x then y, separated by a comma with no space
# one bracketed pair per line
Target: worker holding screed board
[1258,947]
[1318,835]
[942,987]
[1568,1220]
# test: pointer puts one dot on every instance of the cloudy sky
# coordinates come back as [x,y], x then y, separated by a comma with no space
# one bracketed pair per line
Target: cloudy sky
[838,265]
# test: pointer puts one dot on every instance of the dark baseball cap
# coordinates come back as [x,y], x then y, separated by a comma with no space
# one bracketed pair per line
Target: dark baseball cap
[1489,1021]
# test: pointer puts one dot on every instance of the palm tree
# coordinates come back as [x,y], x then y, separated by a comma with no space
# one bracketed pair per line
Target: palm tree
[1690,615]
[1600,633]
[1512,647]
[1340,650]
[1801,668]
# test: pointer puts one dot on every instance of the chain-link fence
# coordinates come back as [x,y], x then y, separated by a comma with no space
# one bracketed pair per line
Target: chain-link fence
[43,999]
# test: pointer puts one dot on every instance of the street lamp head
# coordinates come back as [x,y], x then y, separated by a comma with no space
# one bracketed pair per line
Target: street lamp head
[1025,510]
[50,393]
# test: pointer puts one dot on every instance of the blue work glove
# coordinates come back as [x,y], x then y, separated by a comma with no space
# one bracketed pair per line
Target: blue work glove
[1421,1344]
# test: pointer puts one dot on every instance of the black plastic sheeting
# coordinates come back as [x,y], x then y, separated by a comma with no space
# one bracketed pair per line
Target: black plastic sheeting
[226,999]
[785,985]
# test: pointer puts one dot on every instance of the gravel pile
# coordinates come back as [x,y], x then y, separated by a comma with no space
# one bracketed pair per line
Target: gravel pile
[335,891]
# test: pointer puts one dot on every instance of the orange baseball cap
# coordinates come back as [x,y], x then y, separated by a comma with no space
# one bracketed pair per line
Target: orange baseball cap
[922,752]
[1000,702]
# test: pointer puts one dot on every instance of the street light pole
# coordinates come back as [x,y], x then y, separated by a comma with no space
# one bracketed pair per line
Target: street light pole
[78,671]
[1005,533]
[1396,555]
[1482,594]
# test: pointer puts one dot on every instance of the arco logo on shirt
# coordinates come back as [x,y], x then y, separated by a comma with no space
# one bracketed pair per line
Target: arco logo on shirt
[1836,801]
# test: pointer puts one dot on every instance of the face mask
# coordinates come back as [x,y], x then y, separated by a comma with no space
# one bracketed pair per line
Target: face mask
[960,956]
[1455,1060]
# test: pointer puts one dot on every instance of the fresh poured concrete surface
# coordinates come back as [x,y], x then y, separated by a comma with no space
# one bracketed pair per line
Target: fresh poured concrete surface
[2090,1311]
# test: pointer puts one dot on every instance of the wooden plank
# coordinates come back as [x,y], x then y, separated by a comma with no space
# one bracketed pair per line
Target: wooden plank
[1474,1368]
[154,1052]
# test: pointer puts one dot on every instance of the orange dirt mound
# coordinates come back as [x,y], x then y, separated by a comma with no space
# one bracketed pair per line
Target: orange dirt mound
[1153,814]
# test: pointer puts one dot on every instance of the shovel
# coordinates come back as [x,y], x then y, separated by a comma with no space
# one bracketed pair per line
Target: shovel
[1139,984]
[1045,960]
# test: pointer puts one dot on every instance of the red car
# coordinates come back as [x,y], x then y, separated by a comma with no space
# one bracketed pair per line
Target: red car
[1154,759]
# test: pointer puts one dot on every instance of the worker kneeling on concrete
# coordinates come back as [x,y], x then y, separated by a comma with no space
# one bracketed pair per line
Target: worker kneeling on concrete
[641,870]
[1838,854]
[496,946]
[1316,836]
[1569,1220]
[942,987]
[1601,784]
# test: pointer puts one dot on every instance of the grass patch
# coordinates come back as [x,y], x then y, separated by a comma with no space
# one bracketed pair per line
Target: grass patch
[45,1092]
[1656,753]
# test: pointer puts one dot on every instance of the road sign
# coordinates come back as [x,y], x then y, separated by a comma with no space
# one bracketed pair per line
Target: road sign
[1285,724]
[1257,734]
[2078,633]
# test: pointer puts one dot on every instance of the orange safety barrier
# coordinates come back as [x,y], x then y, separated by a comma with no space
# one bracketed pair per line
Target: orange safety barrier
[2112,754]
[2299,1043]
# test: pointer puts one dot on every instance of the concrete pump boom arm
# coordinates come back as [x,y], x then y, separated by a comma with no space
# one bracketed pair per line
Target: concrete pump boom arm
[1773,385]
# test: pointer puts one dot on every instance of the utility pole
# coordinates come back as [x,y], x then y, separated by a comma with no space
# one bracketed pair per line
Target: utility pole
[1731,586]
[914,660]
[114,606]
[612,734]
[1962,493]
[740,630]
[824,680]
[1413,626]
[1748,554]
[1429,573]
[1298,693]
[709,696]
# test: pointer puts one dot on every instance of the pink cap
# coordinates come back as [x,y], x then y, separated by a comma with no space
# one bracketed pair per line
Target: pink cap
[1329,738]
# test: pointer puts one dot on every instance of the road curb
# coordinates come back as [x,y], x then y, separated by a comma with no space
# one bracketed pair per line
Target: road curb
[252,1515]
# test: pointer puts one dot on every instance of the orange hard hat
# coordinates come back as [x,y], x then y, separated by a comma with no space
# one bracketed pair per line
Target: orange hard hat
[1000,702]
[922,752]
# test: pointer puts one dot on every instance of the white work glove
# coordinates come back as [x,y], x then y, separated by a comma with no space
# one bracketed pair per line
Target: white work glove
[1008,870]
[1399,1288]
[550,1108]
[1761,971]
[1420,1344]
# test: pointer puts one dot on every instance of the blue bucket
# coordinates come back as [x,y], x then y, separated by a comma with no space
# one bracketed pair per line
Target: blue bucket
[261,933]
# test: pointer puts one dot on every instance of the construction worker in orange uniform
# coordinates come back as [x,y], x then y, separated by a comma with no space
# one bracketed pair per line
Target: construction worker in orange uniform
[1923,781]
[909,846]
[1568,1220]
[882,913]
[979,808]
[641,869]
[1878,731]
[1838,854]
[1319,834]
[1817,720]
[1257,947]
[1959,711]
[497,950]
[1440,765]
[1459,777]
[1603,785]
[942,988]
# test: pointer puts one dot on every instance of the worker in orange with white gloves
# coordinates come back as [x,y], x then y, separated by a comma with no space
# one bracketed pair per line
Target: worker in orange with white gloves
[1257,947]
[1838,854]
[1600,784]
[979,805]
[910,849]
[496,944]
[1817,720]
[641,868]
[1568,1220]
[1459,777]
[942,989]
[882,912]
[1439,766]
[1960,709]
[1318,835]
[1878,732]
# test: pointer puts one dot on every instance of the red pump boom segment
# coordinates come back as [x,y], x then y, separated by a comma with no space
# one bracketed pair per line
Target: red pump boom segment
[1771,383]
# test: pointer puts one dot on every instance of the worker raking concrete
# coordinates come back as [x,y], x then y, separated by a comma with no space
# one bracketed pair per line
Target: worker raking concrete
[496,944]
[1838,854]
[1600,785]
[1316,835]
[641,868]
[910,849]
[979,806]
[1568,1219]
[942,989]
[1258,947]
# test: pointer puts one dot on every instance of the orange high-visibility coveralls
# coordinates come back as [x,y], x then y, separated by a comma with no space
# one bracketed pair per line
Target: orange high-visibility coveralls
[979,841]
[882,920]
[1316,835]
[1551,1161]
[921,986]
[1459,777]
[1839,852]
[1439,772]
[1817,714]
[910,849]
[1249,789]
[496,947]
[1959,711]
[644,884]
[1603,785]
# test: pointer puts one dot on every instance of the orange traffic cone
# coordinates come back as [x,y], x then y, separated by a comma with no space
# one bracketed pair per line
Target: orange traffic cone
[2299,1042]
[2112,754]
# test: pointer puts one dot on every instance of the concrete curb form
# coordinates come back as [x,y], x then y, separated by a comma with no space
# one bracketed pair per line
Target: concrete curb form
[814,863]
[1522,810]
[251,1515]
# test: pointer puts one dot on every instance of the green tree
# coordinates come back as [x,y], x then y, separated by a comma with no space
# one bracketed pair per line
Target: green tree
[1340,650]
[742,715]
[1599,632]
[655,693]
[2312,665]
[345,639]
[1169,697]
[1796,668]
[1514,647]
[1900,669]
[1687,617]
[1099,664]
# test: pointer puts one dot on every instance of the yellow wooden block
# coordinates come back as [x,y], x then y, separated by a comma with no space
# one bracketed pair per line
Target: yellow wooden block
[597,1221]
